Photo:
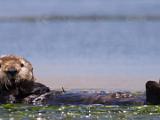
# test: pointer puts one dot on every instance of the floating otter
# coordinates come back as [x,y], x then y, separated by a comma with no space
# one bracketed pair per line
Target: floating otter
[17,79]
[17,84]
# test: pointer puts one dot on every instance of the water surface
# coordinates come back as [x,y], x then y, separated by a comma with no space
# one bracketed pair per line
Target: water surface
[83,112]
[71,44]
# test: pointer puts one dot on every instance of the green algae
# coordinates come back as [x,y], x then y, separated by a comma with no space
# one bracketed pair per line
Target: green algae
[8,106]
[71,112]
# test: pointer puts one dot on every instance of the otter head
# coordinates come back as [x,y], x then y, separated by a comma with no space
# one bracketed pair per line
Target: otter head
[15,70]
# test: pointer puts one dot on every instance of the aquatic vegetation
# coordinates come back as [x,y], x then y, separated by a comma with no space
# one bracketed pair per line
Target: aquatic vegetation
[78,112]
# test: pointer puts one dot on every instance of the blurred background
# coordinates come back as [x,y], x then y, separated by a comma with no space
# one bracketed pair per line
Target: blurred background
[99,44]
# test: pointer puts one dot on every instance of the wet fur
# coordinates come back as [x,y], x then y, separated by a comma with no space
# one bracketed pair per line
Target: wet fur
[22,84]
[22,79]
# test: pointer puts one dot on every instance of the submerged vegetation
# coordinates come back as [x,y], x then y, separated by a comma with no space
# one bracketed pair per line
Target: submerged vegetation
[78,112]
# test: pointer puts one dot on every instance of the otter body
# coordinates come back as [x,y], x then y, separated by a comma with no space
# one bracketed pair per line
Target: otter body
[17,79]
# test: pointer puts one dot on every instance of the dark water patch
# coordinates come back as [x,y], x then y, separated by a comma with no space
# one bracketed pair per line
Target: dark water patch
[79,18]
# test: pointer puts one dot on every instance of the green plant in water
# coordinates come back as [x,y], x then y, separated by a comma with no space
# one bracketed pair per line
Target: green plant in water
[8,106]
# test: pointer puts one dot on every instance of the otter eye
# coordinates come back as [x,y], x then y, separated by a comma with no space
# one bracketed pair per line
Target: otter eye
[22,65]
[0,65]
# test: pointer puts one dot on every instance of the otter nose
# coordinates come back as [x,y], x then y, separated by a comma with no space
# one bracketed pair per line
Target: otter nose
[12,71]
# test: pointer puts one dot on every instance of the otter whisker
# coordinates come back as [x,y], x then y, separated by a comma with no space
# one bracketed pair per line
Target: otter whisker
[7,83]
[6,86]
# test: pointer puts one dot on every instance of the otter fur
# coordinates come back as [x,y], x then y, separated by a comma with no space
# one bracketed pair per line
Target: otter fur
[17,79]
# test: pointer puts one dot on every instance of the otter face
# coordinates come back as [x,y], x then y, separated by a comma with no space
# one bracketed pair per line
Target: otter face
[14,70]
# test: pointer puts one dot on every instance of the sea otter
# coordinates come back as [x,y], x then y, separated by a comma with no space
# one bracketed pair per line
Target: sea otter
[17,79]
[17,84]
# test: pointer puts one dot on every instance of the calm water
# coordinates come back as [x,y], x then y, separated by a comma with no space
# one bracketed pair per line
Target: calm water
[73,53]
[85,44]
[111,45]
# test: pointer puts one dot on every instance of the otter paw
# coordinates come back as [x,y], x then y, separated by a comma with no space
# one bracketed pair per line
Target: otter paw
[42,99]
[29,99]
[39,89]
